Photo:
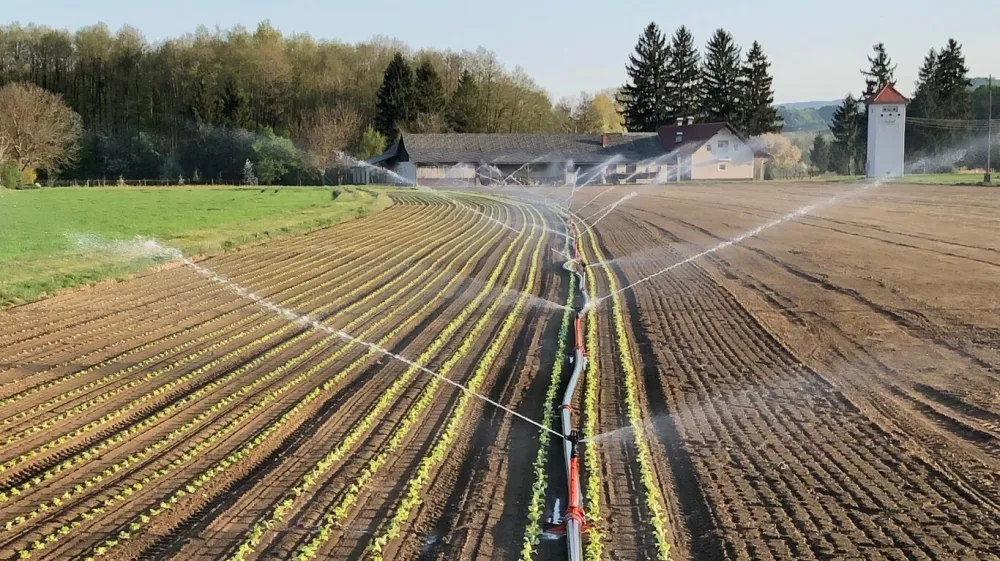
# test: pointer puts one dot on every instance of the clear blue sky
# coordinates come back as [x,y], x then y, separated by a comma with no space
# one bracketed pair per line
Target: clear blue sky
[816,48]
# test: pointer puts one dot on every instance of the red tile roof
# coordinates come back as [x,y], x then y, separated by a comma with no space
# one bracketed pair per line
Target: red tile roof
[888,94]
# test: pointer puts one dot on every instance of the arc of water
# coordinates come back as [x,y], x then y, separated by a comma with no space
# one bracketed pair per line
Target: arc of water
[610,209]
[526,164]
[599,170]
[802,211]
[597,196]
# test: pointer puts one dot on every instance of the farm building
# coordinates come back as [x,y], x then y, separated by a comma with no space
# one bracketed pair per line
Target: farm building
[673,153]
[708,151]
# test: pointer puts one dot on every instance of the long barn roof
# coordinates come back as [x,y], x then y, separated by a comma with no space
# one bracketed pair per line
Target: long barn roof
[453,148]
[541,148]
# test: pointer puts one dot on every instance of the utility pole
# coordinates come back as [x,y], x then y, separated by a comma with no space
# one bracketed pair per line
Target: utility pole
[989,128]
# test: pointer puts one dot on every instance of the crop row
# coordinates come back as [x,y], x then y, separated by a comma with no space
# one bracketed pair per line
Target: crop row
[346,443]
[106,299]
[386,399]
[652,495]
[592,492]
[76,374]
[260,270]
[124,493]
[134,458]
[234,424]
[412,494]
[286,274]
[159,372]
[220,467]
[536,504]
[151,421]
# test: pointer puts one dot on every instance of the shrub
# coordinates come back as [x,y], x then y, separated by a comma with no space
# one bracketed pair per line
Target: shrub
[10,177]
[28,176]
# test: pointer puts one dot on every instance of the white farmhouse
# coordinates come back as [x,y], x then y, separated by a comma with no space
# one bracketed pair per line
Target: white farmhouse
[709,151]
[886,128]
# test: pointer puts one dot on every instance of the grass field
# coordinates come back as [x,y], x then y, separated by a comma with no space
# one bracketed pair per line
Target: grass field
[967,179]
[947,179]
[48,235]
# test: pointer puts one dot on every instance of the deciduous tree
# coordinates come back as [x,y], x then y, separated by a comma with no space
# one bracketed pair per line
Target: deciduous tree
[372,143]
[329,131]
[37,130]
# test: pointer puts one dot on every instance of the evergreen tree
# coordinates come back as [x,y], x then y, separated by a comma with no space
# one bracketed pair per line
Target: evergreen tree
[462,107]
[644,97]
[881,71]
[395,106]
[951,84]
[429,89]
[820,154]
[720,79]
[757,95]
[921,140]
[683,76]
[847,150]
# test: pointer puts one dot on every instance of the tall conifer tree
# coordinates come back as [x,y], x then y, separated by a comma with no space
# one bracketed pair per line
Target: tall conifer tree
[429,90]
[847,152]
[683,76]
[644,97]
[720,79]
[757,95]
[395,105]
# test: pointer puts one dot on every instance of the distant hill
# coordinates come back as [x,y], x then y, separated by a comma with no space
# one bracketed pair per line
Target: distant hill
[809,104]
[982,81]
[812,119]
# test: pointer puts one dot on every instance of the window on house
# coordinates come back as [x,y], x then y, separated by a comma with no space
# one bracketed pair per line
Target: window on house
[722,167]
[709,146]
[723,145]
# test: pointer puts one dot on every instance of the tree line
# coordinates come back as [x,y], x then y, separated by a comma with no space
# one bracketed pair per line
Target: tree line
[668,80]
[200,106]
[945,117]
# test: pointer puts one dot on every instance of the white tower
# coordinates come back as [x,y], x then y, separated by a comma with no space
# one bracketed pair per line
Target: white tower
[886,128]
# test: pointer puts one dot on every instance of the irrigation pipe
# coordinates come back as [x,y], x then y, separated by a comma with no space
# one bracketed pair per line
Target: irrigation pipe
[574,519]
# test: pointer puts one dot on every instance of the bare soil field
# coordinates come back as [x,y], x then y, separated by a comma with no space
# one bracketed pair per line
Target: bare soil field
[826,389]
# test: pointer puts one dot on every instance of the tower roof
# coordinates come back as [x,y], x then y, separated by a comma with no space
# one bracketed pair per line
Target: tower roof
[888,94]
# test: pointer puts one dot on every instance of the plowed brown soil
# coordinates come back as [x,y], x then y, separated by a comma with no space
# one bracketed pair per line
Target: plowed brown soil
[827,389]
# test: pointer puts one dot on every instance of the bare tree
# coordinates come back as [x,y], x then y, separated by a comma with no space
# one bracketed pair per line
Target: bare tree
[37,130]
[329,131]
[429,122]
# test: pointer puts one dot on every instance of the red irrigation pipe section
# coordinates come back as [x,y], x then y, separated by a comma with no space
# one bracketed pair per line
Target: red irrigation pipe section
[574,521]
